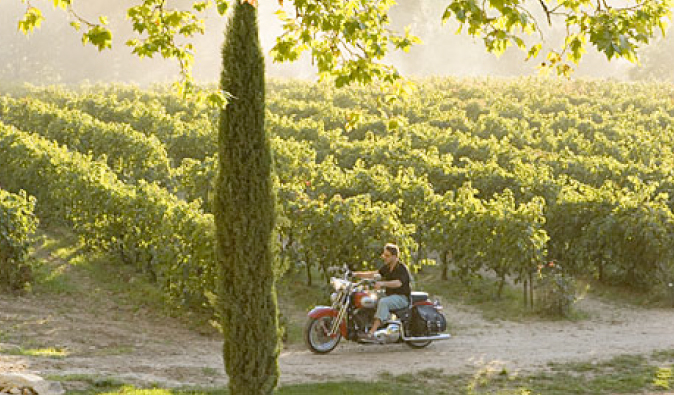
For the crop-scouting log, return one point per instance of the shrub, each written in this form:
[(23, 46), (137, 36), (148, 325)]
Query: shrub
[(556, 290), (17, 224)]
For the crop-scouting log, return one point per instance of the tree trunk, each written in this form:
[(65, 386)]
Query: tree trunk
[(446, 257), (309, 280), (531, 289), (245, 215), (502, 281)]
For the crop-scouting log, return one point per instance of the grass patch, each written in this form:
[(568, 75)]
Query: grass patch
[(112, 282), (52, 279), (87, 384), (50, 255), (296, 299), (117, 283), (478, 292), (211, 372), (55, 242), (343, 388), (660, 296), (110, 351), (663, 356), (49, 352), (64, 267), (628, 374), (664, 378), (351, 388), (292, 287)]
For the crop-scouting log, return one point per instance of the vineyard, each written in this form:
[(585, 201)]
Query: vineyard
[(477, 176)]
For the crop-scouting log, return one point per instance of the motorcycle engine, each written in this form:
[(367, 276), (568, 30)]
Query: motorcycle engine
[(390, 334), (362, 319), (369, 301)]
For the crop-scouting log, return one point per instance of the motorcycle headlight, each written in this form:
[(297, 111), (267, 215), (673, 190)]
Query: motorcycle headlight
[(338, 284)]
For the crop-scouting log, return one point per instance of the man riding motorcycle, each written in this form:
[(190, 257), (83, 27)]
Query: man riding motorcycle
[(395, 277), (357, 314)]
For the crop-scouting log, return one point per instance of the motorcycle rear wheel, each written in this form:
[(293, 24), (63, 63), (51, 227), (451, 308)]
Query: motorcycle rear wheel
[(419, 343), (316, 335)]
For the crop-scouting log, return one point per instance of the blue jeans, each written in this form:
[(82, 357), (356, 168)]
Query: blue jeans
[(388, 303)]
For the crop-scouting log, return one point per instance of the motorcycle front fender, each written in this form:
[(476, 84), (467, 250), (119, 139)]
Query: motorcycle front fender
[(327, 311)]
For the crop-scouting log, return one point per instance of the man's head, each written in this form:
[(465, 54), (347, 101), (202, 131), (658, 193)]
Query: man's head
[(390, 254)]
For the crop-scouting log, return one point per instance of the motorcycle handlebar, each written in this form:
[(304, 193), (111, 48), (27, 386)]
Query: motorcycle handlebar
[(349, 275)]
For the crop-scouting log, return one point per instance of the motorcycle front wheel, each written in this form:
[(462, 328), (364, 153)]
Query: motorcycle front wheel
[(316, 335)]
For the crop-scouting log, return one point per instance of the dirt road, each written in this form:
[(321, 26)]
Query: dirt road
[(111, 342)]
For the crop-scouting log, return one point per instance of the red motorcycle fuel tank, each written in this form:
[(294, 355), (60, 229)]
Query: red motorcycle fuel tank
[(365, 299)]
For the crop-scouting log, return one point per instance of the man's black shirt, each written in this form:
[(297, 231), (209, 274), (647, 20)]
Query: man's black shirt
[(399, 272)]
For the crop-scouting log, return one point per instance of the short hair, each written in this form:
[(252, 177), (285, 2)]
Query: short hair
[(392, 248)]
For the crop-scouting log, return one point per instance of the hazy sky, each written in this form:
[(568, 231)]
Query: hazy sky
[(54, 53)]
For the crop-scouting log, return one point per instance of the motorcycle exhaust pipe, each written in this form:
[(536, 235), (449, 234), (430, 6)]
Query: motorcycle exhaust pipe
[(443, 336)]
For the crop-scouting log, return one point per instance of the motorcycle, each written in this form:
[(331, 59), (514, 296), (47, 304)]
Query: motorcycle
[(352, 312)]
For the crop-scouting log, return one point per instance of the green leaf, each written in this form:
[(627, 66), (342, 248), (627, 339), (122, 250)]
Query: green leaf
[(32, 19), (216, 100), (98, 36), (534, 51), (222, 6), (63, 4), (497, 4), (200, 6)]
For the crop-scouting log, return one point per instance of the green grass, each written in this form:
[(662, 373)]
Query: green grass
[(664, 378), (663, 356), (110, 351), (660, 296), (296, 299), (292, 287), (49, 352), (50, 255), (627, 374), (64, 267), (481, 293)]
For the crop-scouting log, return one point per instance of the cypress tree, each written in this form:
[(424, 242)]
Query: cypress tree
[(245, 214)]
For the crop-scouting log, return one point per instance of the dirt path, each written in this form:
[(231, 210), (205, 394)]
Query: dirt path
[(109, 341)]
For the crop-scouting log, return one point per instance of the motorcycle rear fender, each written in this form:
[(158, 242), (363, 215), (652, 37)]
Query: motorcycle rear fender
[(327, 311)]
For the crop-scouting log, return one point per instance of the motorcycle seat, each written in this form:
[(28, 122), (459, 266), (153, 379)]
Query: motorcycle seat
[(415, 297)]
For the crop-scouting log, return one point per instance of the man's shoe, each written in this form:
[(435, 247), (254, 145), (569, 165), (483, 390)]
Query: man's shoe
[(367, 337)]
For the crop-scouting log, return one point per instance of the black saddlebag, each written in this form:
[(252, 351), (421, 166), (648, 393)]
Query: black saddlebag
[(426, 320)]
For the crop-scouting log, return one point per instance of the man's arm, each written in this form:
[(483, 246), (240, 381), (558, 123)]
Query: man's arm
[(389, 284), (396, 283), (369, 274)]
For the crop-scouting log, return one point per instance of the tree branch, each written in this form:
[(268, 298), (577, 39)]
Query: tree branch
[(546, 10)]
